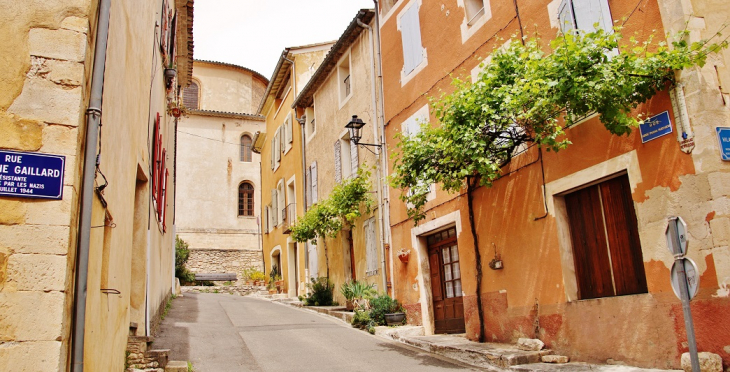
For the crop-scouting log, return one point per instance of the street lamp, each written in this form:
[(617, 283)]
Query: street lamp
[(354, 127)]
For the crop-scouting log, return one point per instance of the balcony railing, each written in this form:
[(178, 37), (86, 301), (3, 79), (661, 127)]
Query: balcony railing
[(289, 217)]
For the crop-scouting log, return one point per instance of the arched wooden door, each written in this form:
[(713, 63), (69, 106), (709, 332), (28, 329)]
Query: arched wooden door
[(448, 303)]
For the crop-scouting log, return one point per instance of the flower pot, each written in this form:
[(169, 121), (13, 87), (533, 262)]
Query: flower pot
[(395, 318), (175, 111), (403, 255), (349, 305)]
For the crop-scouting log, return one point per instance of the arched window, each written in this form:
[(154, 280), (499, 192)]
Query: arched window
[(190, 96), (246, 148), (245, 199)]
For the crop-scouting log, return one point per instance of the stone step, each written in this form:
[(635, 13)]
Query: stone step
[(176, 366)]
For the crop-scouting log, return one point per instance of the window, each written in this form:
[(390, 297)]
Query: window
[(410, 28), (245, 199), (474, 9), (605, 238), (371, 252), (190, 96), (274, 209), (584, 14), (246, 148), (289, 134), (346, 158), (411, 127), (281, 203), (343, 79), (311, 175)]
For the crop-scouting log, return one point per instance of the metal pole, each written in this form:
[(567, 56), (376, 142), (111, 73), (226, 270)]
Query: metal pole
[(684, 293)]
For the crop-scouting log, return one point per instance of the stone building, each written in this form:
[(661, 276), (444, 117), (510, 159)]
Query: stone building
[(219, 185), (344, 85), (529, 221), (281, 165), (85, 266)]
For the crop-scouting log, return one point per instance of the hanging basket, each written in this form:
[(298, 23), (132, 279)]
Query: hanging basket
[(403, 255)]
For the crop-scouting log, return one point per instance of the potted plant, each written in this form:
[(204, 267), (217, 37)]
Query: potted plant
[(357, 294), (176, 109), (385, 310), (403, 255), (271, 286)]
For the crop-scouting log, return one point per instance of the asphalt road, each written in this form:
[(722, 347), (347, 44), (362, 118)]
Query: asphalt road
[(221, 333)]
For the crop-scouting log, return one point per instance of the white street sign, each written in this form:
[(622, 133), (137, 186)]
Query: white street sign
[(676, 234), (693, 277)]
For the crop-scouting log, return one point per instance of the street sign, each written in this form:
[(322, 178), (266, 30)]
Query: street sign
[(693, 279), (31, 175), (676, 234), (723, 135), (655, 127)]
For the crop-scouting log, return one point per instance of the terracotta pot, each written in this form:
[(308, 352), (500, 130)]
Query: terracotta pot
[(403, 257), (175, 111), (349, 305)]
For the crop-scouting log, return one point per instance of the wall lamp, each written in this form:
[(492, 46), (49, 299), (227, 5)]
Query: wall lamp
[(354, 127)]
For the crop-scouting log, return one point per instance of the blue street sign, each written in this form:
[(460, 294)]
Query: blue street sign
[(655, 127), (31, 175), (723, 135)]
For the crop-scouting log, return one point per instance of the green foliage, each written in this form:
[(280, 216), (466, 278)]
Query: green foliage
[(361, 319), (274, 274), (182, 253), (343, 206), (320, 292), (381, 305), (521, 96), (253, 273), (357, 290)]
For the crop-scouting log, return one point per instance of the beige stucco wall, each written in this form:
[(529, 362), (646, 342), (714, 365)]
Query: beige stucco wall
[(227, 88), (47, 49)]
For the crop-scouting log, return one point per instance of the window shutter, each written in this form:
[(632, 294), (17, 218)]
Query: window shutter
[(338, 164), (273, 151), (265, 220), (282, 138), (589, 12), (289, 129), (371, 251), (275, 207), (565, 16), (277, 140), (354, 161), (314, 182), (308, 189), (411, 36)]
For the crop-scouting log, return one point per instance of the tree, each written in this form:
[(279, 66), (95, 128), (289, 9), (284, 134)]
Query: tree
[(340, 209), (521, 97)]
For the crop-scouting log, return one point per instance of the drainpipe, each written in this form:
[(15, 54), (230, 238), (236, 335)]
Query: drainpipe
[(302, 121), (377, 153), (383, 159), (93, 120)]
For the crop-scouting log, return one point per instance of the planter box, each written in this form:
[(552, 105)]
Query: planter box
[(395, 318)]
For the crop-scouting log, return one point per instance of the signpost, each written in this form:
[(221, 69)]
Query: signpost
[(31, 175), (684, 278), (723, 135), (655, 127)]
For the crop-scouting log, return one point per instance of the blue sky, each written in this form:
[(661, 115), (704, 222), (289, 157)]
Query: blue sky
[(252, 33)]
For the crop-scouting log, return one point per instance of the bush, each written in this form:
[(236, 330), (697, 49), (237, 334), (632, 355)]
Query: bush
[(253, 273), (361, 319), (320, 292), (381, 305), (182, 253), (357, 290)]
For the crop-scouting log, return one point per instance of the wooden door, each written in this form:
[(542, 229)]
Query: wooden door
[(448, 303)]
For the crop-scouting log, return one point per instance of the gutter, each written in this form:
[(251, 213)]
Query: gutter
[(378, 152), (93, 121)]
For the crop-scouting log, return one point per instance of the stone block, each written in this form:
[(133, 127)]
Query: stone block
[(31, 356), (12, 212), (709, 362), (60, 140), (60, 44), (177, 366), (50, 212), (530, 344), (43, 100), (31, 316), (36, 272), (4, 254), (65, 72), (75, 24), (35, 239), (719, 184), (720, 231), (559, 359), (20, 134)]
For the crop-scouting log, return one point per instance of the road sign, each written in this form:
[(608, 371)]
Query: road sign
[(723, 135), (676, 234), (692, 274), (655, 127), (31, 175)]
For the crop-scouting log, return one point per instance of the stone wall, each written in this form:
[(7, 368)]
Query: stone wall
[(224, 260)]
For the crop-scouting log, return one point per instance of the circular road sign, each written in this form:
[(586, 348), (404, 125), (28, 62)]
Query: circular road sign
[(693, 277)]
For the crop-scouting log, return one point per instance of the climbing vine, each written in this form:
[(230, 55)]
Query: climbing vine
[(347, 201)]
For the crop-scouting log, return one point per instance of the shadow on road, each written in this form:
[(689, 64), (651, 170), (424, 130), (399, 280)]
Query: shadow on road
[(425, 359)]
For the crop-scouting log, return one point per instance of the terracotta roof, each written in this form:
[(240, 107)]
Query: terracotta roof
[(258, 75), (185, 45), (352, 32), (226, 114)]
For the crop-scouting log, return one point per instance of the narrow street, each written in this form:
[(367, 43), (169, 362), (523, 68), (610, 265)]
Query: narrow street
[(221, 332)]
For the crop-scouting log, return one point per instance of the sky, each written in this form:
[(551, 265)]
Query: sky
[(253, 33)]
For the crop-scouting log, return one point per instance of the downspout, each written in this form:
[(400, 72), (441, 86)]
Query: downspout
[(93, 120), (383, 159), (378, 150), (302, 121)]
